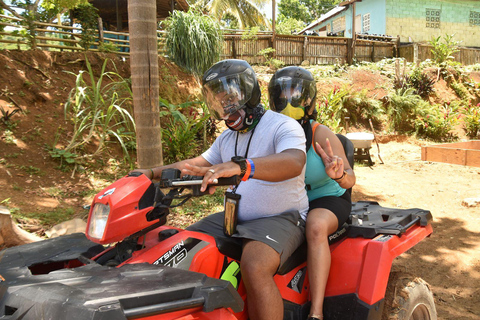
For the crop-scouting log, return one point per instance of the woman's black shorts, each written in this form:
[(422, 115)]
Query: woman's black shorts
[(340, 206)]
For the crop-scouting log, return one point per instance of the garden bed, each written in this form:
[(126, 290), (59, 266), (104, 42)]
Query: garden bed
[(463, 153)]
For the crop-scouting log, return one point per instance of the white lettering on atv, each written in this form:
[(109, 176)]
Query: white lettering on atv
[(295, 280), (165, 259)]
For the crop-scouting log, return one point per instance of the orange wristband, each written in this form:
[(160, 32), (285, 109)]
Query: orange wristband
[(247, 173)]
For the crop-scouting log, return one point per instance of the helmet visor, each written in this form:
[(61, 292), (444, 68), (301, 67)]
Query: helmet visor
[(226, 95), (287, 92)]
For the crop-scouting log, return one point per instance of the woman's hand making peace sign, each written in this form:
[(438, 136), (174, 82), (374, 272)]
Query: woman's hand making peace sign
[(333, 164)]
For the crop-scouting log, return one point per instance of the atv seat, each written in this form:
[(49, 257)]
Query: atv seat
[(233, 250)]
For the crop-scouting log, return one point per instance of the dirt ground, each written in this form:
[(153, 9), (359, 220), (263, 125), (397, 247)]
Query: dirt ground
[(449, 260), (31, 182)]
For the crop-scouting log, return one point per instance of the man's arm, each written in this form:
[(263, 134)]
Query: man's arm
[(157, 171), (276, 167)]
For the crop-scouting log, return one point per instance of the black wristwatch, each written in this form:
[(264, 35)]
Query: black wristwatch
[(242, 162)]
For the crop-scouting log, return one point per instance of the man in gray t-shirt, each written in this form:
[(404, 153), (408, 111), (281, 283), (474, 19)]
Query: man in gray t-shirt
[(267, 150)]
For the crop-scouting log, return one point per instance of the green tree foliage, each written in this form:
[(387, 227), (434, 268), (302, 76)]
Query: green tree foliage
[(194, 41), (246, 12), (304, 10), (289, 26)]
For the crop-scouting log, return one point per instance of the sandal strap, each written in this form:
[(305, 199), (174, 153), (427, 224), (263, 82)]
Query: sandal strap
[(315, 316)]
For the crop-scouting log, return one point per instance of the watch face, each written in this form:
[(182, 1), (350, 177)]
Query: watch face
[(238, 159)]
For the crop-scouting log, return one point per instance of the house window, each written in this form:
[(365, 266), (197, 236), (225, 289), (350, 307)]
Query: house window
[(338, 25), (366, 22), (474, 18), (432, 17)]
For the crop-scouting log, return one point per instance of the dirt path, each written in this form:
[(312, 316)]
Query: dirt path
[(449, 260)]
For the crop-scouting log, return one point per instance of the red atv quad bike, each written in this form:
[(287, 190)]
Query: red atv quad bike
[(131, 265)]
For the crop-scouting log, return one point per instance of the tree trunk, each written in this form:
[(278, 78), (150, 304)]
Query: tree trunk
[(10, 234), (142, 24)]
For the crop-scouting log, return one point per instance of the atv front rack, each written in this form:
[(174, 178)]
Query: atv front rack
[(99, 292)]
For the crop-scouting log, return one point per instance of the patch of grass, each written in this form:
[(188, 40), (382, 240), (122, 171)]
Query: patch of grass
[(31, 170), (51, 218), (199, 207)]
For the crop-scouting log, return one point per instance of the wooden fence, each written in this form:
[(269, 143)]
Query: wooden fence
[(413, 52), (291, 49)]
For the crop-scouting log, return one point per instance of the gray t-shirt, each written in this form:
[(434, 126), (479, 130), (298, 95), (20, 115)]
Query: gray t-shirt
[(273, 134)]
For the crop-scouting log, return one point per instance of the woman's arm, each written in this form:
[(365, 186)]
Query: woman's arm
[(330, 149)]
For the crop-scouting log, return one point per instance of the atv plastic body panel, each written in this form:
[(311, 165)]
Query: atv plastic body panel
[(47, 279)]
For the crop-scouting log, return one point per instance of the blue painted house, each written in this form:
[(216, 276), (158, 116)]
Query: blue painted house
[(412, 20)]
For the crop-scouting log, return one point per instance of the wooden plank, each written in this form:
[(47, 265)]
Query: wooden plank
[(462, 153)]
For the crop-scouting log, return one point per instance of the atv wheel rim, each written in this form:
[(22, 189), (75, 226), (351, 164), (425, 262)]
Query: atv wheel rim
[(420, 312)]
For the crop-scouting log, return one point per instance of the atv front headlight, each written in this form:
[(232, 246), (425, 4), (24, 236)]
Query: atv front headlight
[(98, 220)]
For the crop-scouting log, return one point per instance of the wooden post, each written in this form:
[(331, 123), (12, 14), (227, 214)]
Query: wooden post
[(305, 43), (273, 28), (373, 51), (349, 51), (234, 49), (100, 30), (119, 17), (397, 44), (354, 34)]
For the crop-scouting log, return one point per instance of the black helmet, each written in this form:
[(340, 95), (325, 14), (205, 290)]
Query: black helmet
[(230, 85), (292, 91)]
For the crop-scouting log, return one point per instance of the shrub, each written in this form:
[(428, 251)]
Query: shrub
[(185, 131), (437, 121), (361, 108), (401, 108), (422, 84), (194, 41), (331, 109), (443, 49), (471, 120)]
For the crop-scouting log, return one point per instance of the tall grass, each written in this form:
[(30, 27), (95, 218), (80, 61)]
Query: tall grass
[(98, 112), (194, 41)]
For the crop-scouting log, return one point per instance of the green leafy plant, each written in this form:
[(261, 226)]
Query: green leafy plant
[(194, 41), (422, 84), (65, 157), (97, 112), (444, 48), (108, 47), (269, 60), (360, 108), (185, 131), (332, 110), (437, 121), (471, 120), (87, 15), (402, 107)]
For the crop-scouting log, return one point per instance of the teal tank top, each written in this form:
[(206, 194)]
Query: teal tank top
[(319, 184)]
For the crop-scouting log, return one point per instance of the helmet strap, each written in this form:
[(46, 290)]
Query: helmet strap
[(252, 117)]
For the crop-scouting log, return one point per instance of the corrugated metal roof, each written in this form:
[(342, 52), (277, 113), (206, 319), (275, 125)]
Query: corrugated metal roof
[(324, 17)]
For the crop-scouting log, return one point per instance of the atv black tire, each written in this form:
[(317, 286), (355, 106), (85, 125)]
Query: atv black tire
[(408, 298)]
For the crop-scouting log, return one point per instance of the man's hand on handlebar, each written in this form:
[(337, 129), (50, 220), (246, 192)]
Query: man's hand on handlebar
[(210, 174)]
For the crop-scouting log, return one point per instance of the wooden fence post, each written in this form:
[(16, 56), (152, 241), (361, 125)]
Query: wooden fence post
[(100, 30), (305, 43), (397, 45), (349, 51), (234, 49)]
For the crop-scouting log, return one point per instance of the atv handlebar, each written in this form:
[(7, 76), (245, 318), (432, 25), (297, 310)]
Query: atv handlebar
[(171, 178)]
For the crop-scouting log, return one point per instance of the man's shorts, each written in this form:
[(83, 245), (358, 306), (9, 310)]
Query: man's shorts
[(284, 232)]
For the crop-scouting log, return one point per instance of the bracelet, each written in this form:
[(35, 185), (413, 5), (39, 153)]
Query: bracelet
[(343, 176), (247, 172), (153, 175), (252, 168)]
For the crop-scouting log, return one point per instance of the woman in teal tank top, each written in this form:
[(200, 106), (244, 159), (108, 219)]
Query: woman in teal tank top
[(292, 91)]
